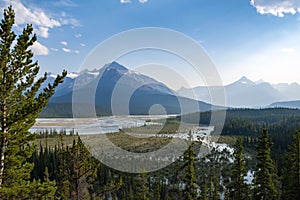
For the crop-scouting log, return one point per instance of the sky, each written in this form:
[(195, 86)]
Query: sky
[(259, 39)]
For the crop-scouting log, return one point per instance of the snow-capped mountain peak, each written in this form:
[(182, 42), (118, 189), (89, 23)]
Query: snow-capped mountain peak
[(52, 75), (244, 80), (72, 75), (109, 74), (94, 73)]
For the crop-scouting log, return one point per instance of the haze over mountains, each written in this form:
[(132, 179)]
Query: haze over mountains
[(250, 94), (147, 94)]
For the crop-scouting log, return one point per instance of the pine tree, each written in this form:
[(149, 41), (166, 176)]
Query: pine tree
[(265, 177), (216, 185), (238, 189), (77, 171), (210, 188), (157, 189), (20, 104), (63, 182), (203, 195), (291, 172), (190, 188), (45, 190), (141, 186)]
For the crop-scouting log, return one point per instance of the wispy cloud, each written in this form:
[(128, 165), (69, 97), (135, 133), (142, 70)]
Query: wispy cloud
[(66, 50), (78, 35), (39, 49), (41, 20), (276, 7), (129, 1), (82, 44), (66, 19), (54, 49), (64, 43), (70, 50), (125, 1), (143, 1), (67, 3)]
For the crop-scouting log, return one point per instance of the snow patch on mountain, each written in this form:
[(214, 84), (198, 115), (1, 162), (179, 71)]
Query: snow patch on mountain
[(93, 73), (52, 75), (72, 75)]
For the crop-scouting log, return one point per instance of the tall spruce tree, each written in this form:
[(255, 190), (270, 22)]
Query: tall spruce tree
[(265, 177), (216, 183), (190, 188), (238, 189), (203, 195), (291, 172), (20, 104), (77, 171), (141, 185)]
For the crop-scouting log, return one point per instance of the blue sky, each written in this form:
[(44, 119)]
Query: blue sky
[(259, 38)]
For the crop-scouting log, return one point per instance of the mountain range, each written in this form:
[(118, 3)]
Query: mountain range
[(250, 94), (148, 93), (286, 104)]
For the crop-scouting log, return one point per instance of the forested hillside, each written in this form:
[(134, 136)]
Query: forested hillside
[(281, 124), (220, 174)]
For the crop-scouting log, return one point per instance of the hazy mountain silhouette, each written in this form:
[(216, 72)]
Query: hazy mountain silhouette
[(115, 79)]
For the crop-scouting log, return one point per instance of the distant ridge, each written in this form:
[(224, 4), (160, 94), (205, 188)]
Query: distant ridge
[(246, 93), (286, 104), (150, 92)]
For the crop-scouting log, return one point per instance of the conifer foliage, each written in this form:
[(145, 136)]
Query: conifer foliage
[(190, 190), (239, 190), (291, 175), (20, 104), (77, 171), (265, 177)]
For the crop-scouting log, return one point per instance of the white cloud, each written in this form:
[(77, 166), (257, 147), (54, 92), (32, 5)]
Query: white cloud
[(125, 1), (276, 7), (39, 49), (288, 50), (66, 50), (129, 1), (67, 3), (65, 19), (35, 16), (143, 1), (53, 49), (64, 43), (82, 44), (70, 50), (78, 35), (41, 21), (42, 31)]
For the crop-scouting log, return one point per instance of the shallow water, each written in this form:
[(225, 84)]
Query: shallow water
[(93, 125)]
